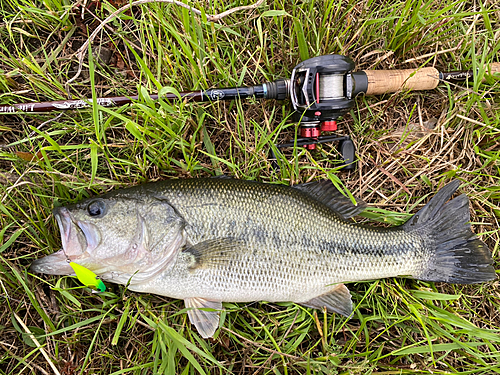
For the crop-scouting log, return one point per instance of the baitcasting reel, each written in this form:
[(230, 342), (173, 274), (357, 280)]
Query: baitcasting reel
[(321, 90)]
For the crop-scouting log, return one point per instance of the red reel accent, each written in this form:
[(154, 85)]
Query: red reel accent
[(310, 132), (329, 126), (312, 146)]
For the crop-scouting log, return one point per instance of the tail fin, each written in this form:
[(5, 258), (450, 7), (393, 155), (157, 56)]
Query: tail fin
[(458, 256)]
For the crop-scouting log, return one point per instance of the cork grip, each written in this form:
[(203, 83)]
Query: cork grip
[(493, 68), (387, 81)]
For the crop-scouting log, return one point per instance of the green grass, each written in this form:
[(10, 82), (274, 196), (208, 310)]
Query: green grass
[(400, 326)]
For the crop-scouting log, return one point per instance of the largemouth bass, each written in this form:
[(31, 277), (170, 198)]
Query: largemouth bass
[(209, 241)]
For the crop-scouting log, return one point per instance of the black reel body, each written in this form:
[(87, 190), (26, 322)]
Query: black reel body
[(321, 90)]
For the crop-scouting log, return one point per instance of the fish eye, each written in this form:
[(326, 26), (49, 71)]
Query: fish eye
[(96, 208)]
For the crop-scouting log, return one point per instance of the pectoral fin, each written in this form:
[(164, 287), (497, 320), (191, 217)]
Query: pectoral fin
[(204, 315), (216, 252), (337, 300)]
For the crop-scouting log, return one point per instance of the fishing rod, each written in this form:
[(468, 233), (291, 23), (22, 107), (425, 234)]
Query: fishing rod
[(321, 90)]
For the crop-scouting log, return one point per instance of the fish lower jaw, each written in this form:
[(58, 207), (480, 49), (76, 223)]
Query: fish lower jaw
[(136, 276), (116, 277)]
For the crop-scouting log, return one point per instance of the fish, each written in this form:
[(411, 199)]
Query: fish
[(214, 240)]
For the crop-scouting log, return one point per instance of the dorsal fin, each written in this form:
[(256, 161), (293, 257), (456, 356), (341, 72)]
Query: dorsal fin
[(326, 192)]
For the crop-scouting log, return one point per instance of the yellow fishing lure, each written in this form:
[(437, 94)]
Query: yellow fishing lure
[(87, 277)]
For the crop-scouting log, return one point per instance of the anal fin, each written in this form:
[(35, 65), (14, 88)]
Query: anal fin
[(204, 315), (337, 300)]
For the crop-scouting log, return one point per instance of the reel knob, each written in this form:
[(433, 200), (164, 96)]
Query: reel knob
[(348, 152)]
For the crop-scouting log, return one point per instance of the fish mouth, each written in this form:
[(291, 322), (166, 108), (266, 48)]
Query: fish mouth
[(73, 238), (54, 264), (77, 237)]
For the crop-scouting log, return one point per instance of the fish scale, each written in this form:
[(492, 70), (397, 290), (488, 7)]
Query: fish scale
[(209, 241)]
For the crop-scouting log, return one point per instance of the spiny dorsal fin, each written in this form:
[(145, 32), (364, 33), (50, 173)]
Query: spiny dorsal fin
[(326, 192), (204, 315), (337, 300)]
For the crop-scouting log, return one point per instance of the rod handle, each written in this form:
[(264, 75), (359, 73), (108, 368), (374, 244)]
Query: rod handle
[(388, 81), (493, 68)]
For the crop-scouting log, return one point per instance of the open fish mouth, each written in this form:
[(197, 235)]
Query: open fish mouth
[(76, 237), (73, 239)]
